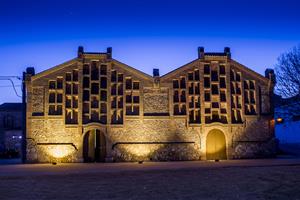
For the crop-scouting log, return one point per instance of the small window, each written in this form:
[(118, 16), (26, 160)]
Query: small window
[(223, 96), (246, 86), (232, 75), (207, 96), (128, 84), (182, 96), (215, 89), (214, 76), (113, 76), (68, 88), (252, 85), (238, 77), (136, 99), (103, 69), (75, 102), (206, 69), (176, 97), (175, 84), (103, 108), (222, 82), (59, 83), (197, 75), (206, 82), (197, 88), (120, 89), (86, 69), (75, 88), (94, 71), (52, 85), (94, 102), (120, 78), (68, 102), (128, 98), (136, 85), (207, 110), (182, 83), (59, 98), (86, 95), (95, 88), (68, 77), (52, 97), (215, 105), (75, 75), (103, 82), (113, 89), (190, 76), (103, 95), (222, 69), (86, 82)]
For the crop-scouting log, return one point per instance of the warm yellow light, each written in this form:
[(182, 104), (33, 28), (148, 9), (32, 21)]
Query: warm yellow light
[(279, 120), (59, 151)]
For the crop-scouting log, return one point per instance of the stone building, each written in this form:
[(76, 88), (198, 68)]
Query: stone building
[(95, 108)]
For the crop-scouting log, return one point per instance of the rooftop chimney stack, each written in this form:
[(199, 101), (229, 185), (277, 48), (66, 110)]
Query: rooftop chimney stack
[(156, 78), (269, 73), (30, 71), (80, 52), (227, 52), (109, 52), (200, 52), (155, 72)]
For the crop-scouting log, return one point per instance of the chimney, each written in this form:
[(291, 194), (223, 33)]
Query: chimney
[(80, 52), (109, 52), (155, 72), (200, 52), (30, 71), (156, 78), (227, 52), (269, 73)]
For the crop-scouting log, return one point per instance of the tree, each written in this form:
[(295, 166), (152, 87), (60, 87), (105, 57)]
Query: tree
[(287, 73)]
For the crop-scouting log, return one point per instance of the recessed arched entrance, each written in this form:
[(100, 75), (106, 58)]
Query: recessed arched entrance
[(94, 146), (216, 145)]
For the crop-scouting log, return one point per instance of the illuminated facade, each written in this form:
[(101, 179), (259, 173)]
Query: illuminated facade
[(95, 108)]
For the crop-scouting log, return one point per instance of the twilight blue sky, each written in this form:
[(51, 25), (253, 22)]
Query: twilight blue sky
[(143, 33)]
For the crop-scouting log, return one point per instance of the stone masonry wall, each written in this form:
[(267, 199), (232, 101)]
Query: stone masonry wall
[(156, 100), (152, 139), (41, 147)]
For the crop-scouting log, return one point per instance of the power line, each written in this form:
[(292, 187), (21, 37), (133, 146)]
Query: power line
[(9, 78)]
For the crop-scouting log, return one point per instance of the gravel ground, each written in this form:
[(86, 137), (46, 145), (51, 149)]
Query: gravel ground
[(159, 182)]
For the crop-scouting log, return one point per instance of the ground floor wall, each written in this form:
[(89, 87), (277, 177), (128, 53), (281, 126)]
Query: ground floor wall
[(162, 139)]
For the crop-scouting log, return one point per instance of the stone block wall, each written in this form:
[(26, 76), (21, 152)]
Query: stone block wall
[(50, 140), (155, 139)]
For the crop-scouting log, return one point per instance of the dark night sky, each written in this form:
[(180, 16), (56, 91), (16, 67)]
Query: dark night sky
[(143, 33)]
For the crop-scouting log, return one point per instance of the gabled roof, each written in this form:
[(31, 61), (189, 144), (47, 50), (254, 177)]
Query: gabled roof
[(54, 69), (6, 107), (133, 70), (250, 71), (181, 68)]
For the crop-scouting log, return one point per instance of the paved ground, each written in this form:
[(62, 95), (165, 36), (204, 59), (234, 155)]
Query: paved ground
[(243, 179)]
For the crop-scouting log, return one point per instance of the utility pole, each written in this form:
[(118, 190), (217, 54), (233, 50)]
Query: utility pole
[(24, 118)]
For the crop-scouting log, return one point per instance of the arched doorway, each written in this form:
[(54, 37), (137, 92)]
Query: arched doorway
[(216, 145), (94, 146)]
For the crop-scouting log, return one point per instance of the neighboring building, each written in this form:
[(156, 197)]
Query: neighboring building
[(287, 116), (11, 127), (95, 108)]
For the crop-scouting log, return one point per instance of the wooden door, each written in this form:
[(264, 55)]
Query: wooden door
[(216, 145)]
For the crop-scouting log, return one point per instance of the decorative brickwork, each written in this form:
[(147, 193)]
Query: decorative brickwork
[(94, 108)]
